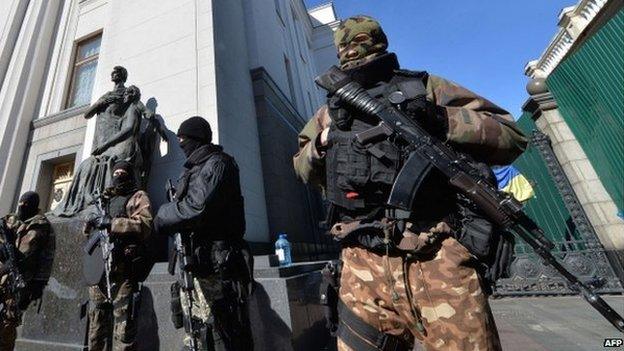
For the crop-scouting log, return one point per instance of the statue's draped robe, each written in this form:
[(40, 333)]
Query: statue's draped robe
[(94, 173)]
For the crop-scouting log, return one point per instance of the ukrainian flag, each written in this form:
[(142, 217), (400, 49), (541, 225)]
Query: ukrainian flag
[(511, 181)]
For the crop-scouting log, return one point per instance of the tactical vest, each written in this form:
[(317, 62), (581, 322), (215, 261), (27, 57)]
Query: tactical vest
[(360, 177), (117, 206)]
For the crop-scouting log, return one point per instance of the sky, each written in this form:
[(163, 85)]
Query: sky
[(480, 44)]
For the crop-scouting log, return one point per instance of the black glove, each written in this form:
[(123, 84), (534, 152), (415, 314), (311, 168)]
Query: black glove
[(36, 288), (157, 227), (428, 116), (103, 222)]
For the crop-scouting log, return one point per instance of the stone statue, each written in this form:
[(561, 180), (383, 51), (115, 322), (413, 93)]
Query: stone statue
[(154, 130), (116, 138)]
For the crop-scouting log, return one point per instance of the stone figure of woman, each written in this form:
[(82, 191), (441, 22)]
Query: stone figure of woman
[(116, 138)]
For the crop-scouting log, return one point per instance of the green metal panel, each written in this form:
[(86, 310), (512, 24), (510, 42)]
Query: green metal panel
[(589, 89), (546, 208)]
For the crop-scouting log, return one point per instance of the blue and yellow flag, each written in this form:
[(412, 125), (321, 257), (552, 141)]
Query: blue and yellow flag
[(511, 181)]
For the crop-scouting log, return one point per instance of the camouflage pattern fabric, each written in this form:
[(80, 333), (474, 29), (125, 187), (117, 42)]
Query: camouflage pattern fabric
[(207, 290), (32, 241), (139, 220), (367, 47), (10, 319), (105, 322), (441, 291), (215, 305), (476, 126)]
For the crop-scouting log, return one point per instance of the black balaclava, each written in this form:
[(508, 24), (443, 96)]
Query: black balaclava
[(28, 205), (189, 145), (196, 132), (125, 183)]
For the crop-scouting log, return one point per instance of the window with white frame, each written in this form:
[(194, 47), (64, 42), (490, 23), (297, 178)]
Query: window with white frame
[(83, 71)]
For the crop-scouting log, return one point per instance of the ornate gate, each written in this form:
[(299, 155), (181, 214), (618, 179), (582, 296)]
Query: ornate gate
[(577, 247)]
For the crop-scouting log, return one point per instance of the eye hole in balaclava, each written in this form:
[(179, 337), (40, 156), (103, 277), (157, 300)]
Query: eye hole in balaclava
[(359, 40)]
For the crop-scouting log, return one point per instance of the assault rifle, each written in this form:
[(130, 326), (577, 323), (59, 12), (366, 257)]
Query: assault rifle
[(427, 153), (102, 237), (183, 255), (9, 267)]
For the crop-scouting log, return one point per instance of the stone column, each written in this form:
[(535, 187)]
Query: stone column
[(592, 195), (20, 92), (12, 14)]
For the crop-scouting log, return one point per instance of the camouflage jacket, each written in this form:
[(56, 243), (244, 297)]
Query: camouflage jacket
[(35, 242), (476, 126), (137, 224), (139, 220)]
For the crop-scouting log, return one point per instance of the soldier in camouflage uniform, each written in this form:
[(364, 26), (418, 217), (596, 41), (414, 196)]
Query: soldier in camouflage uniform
[(34, 242), (129, 223), (425, 289)]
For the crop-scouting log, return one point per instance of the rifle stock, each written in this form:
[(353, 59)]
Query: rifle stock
[(428, 152)]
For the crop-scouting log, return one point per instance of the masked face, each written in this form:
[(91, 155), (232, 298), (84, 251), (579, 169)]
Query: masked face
[(359, 40), (123, 181), (28, 205), (189, 145)]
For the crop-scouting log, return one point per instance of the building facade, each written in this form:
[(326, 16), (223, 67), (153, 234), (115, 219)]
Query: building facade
[(577, 151), (245, 66)]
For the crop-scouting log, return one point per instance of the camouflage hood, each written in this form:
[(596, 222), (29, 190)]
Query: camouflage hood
[(378, 69), (349, 42)]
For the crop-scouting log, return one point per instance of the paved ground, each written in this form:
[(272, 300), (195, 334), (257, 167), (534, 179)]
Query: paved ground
[(553, 323)]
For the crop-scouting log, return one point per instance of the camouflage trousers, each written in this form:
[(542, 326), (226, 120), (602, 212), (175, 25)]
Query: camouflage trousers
[(10, 319), (224, 316), (441, 291), (112, 325)]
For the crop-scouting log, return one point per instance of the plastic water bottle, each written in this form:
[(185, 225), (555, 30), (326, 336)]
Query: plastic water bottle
[(282, 250)]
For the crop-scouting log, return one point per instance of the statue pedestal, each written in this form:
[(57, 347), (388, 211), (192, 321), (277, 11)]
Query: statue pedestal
[(284, 310), (58, 325)]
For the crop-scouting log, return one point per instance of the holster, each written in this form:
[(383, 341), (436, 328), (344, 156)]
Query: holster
[(361, 336), (328, 294)]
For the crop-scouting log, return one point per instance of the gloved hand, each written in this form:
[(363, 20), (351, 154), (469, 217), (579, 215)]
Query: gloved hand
[(428, 116), (35, 288), (103, 222)]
